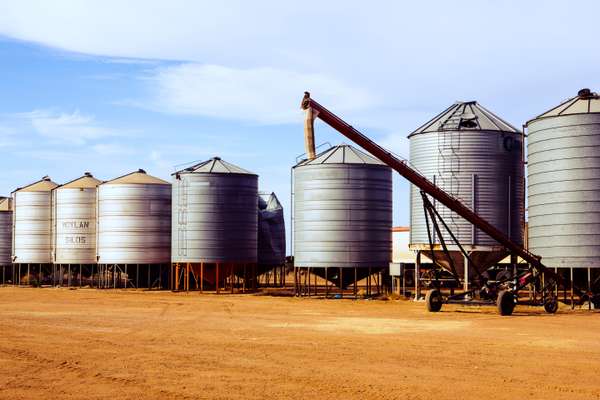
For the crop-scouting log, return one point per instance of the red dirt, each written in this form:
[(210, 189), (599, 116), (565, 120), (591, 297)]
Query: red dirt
[(90, 344)]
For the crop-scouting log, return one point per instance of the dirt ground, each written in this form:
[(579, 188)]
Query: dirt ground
[(90, 344)]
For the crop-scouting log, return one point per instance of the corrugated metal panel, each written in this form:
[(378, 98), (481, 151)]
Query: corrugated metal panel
[(342, 214), (481, 168), (134, 222), (5, 237), (215, 214), (564, 189), (74, 225), (32, 227)]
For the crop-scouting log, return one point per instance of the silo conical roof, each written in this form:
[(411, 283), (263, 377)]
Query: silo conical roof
[(5, 204), (43, 185), (214, 166), (137, 177), (342, 154), (585, 102), (466, 116), (86, 181)]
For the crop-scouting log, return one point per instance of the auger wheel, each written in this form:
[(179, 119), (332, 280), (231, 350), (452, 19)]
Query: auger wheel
[(506, 302), (434, 300), (551, 305)]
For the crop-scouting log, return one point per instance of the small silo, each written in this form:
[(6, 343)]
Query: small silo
[(74, 221), (342, 215), (32, 227), (563, 171), (475, 156), (134, 227), (215, 220), (6, 217)]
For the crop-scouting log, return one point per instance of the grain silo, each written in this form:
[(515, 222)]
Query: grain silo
[(74, 228), (563, 174), (475, 156), (342, 218), (134, 230), (32, 230), (271, 239), (6, 217), (215, 224)]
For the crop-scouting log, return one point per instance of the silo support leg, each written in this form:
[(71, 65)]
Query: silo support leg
[(201, 277), (418, 276), (217, 277), (572, 289), (296, 281), (244, 280), (355, 284)]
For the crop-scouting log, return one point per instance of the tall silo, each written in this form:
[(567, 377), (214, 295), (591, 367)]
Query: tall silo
[(6, 218), (215, 220), (563, 171), (342, 215), (32, 229), (74, 227), (475, 156), (134, 230)]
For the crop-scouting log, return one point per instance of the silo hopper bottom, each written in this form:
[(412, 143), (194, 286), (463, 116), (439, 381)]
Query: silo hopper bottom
[(482, 259)]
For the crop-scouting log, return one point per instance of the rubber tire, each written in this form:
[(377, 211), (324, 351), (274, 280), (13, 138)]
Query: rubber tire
[(551, 306), (433, 299), (505, 302)]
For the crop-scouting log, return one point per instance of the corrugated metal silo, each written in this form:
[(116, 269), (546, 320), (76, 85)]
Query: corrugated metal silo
[(134, 220), (476, 157), (32, 228), (563, 173), (6, 218), (74, 205), (342, 208), (215, 214)]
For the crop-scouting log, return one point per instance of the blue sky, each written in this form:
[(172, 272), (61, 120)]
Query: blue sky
[(108, 87)]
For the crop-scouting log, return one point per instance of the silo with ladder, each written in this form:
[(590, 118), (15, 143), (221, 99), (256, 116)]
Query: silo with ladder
[(477, 157)]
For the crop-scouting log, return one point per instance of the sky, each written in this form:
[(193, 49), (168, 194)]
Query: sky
[(112, 86)]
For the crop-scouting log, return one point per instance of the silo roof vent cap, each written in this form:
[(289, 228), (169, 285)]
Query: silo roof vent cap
[(141, 171)]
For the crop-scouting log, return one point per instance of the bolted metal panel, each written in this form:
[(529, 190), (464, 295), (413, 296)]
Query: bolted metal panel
[(5, 237), (74, 225), (564, 184), (342, 210), (134, 221), (215, 215), (483, 169), (32, 227)]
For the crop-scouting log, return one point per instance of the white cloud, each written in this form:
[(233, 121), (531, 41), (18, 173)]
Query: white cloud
[(112, 149), (74, 128), (264, 95)]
